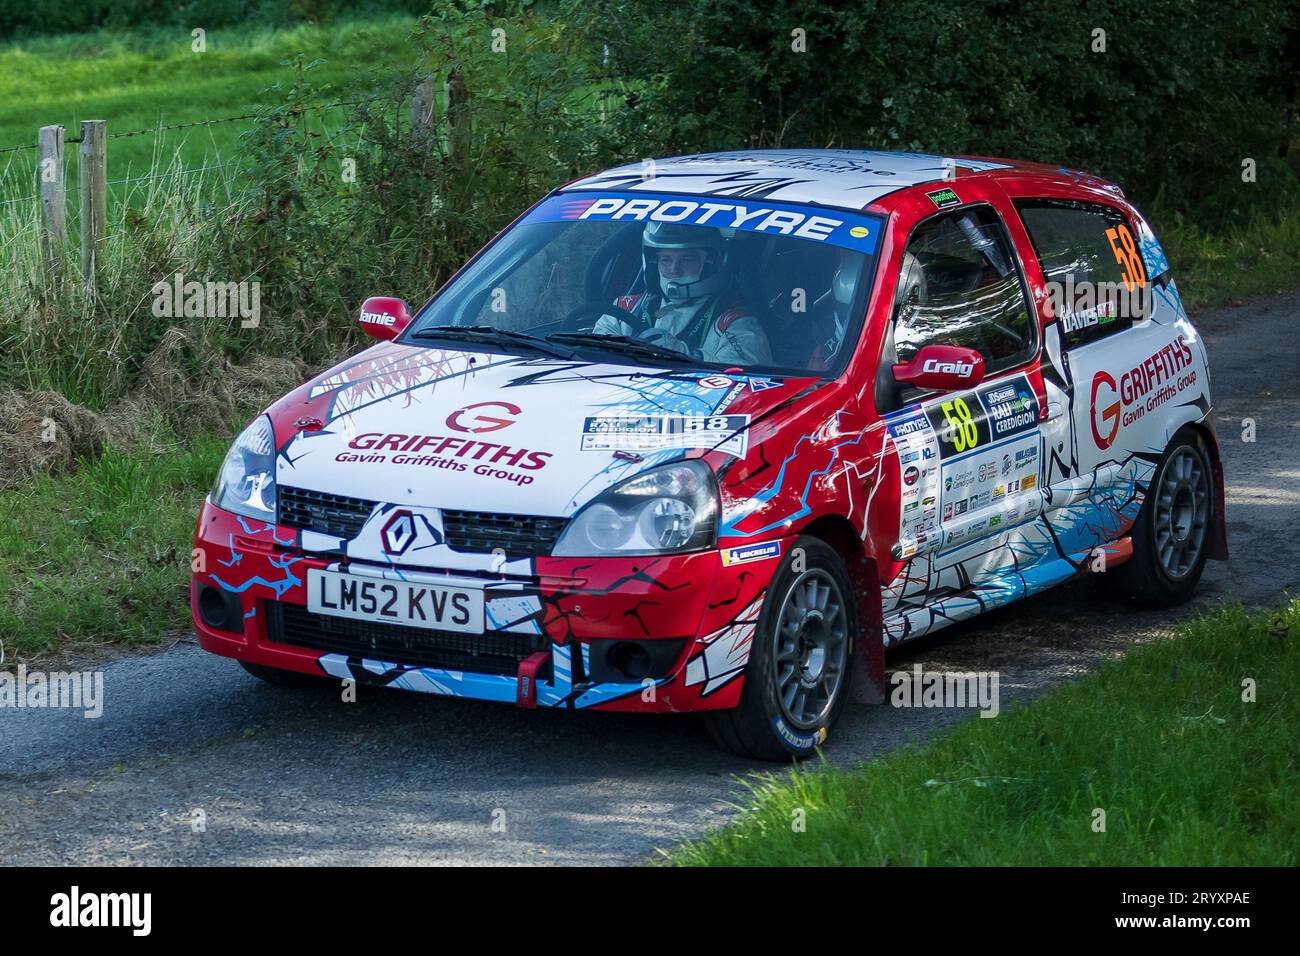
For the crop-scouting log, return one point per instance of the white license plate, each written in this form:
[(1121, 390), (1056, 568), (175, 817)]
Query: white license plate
[(395, 602)]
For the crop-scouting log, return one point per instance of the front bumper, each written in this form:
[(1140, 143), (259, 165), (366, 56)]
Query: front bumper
[(555, 626)]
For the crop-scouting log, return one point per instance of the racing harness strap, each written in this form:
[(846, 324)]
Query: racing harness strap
[(694, 334)]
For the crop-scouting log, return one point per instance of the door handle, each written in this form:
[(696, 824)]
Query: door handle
[(1054, 411)]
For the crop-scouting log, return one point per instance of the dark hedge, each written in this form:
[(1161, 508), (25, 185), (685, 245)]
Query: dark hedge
[(1184, 92)]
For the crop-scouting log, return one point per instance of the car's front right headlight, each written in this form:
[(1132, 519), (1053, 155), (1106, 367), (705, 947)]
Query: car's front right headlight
[(246, 483), (666, 510)]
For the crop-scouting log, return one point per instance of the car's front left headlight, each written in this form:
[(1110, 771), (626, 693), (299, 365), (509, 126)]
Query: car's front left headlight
[(666, 510), (246, 482)]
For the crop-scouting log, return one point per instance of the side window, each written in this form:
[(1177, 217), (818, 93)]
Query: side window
[(1096, 279), (960, 285)]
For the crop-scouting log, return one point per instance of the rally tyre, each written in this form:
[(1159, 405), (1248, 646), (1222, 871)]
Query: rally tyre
[(283, 678), (800, 661), (1171, 536)]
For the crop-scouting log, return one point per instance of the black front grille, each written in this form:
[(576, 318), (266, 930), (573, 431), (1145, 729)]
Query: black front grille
[(481, 533), (492, 653), (337, 515), (468, 531)]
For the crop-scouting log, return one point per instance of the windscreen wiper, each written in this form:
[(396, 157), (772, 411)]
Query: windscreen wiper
[(490, 336), (625, 344)]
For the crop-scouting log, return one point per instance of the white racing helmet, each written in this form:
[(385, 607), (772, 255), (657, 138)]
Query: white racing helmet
[(911, 288), (712, 244), (843, 284)]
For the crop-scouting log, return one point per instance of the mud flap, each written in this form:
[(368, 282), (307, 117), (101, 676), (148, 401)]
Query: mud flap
[(867, 682), (1217, 549)]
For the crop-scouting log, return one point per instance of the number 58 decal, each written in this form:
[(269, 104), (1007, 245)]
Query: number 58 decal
[(960, 422), (960, 429), (1126, 254)]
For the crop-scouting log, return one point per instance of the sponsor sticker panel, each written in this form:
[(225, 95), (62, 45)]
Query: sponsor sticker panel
[(991, 489), (1011, 407), (966, 460), (728, 433), (918, 449)]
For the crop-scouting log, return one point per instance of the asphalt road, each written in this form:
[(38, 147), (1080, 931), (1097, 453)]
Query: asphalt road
[(290, 777)]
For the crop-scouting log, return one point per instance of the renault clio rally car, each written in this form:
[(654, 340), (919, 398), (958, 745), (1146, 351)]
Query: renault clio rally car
[(711, 434)]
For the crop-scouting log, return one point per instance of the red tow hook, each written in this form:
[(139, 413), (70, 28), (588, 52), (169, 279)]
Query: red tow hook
[(526, 693)]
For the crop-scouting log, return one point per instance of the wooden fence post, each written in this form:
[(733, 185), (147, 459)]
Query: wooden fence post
[(423, 105), (94, 198), (54, 223), (458, 119)]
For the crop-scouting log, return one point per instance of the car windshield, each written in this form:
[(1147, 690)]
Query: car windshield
[(703, 281)]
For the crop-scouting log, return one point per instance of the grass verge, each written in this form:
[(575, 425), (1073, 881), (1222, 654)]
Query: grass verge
[(1254, 258), (1188, 774), (102, 554)]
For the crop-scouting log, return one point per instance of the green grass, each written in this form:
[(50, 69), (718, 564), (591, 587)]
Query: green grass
[(147, 77), (102, 554), (1187, 773), (1259, 257)]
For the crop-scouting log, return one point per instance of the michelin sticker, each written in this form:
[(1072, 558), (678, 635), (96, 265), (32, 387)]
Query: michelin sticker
[(746, 553), (658, 432)]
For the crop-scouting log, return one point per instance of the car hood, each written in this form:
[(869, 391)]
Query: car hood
[(487, 432)]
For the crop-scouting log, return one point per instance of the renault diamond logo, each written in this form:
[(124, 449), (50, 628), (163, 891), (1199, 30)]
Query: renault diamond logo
[(399, 532)]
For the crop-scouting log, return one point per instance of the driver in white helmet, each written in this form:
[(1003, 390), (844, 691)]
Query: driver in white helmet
[(691, 304)]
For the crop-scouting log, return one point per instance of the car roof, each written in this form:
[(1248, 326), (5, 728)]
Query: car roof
[(843, 178)]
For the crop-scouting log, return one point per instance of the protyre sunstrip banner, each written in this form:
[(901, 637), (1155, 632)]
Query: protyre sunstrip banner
[(831, 226)]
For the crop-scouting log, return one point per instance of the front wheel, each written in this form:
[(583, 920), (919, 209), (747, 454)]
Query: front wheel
[(796, 681), (1172, 532)]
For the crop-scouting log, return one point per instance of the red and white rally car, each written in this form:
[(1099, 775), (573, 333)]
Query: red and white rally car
[(711, 433)]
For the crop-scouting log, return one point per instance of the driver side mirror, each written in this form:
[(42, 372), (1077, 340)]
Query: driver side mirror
[(942, 368), (384, 317)]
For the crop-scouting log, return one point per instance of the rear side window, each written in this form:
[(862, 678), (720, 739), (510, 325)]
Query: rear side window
[(1096, 280), (960, 285)]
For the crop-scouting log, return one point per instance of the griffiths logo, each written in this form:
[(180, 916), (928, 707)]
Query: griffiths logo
[(468, 419), (453, 454), (1105, 410), (1142, 389)]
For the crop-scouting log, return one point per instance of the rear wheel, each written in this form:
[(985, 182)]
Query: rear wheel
[(796, 682), (283, 678), (1171, 535)]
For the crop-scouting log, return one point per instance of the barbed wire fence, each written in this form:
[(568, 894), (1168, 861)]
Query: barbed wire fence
[(90, 212), (155, 131), (168, 127)]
